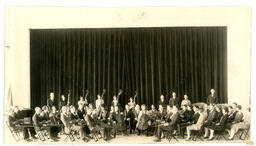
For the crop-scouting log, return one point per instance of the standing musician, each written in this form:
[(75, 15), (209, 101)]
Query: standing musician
[(185, 101), (129, 118), (136, 113), (99, 102), (212, 98), (162, 101), (81, 101), (174, 100), (143, 119), (51, 101), (131, 103), (169, 125), (81, 111)]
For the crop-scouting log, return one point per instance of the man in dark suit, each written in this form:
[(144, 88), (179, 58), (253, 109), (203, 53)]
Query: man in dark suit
[(168, 126), (36, 123), (220, 125), (212, 98), (174, 100), (162, 101), (211, 117), (51, 102)]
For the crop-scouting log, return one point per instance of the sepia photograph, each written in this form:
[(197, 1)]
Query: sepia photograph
[(95, 75)]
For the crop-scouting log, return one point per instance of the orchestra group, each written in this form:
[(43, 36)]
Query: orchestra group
[(93, 121)]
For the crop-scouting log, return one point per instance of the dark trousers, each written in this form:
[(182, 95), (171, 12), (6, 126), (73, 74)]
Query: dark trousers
[(26, 131), (162, 128)]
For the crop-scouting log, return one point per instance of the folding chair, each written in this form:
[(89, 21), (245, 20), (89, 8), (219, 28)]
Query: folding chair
[(243, 132), (169, 134), (197, 134), (70, 136), (221, 134), (14, 132)]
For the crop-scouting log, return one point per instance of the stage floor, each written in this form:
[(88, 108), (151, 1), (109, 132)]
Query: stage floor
[(132, 138)]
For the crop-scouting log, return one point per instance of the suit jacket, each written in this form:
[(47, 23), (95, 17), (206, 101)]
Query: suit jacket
[(211, 116), (238, 117), (11, 121), (80, 113), (163, 103), (51, 103), (231, 117), (89, 122), (195, 117), (223, 120), (174, 119), (174, 101), (161, 115), (212, 99), (36, 120)]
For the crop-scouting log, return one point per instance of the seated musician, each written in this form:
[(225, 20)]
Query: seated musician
[(161, 113), (119, 118), (105, 124), (12, 121), (69, 125), (73, 112), (238, 117), (54, 120), (210, 119), (63, 102), (218, 112), (195, 116), (44, 115), (81, 111), (36, 123), (162, 101), (185, 114), (153, 114), (129, 118), (168, 112), (244, 124), (198, 124), (185, 101), (174, 100), (136, 112), (219, 125), (92, 122), (169, 125), (17, 118), (143, 118), (231, 113)]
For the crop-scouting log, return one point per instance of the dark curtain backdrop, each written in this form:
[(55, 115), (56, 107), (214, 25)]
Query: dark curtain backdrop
[(152, 61)]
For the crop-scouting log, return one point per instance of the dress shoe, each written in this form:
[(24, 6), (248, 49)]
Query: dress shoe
[(157, 140)]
